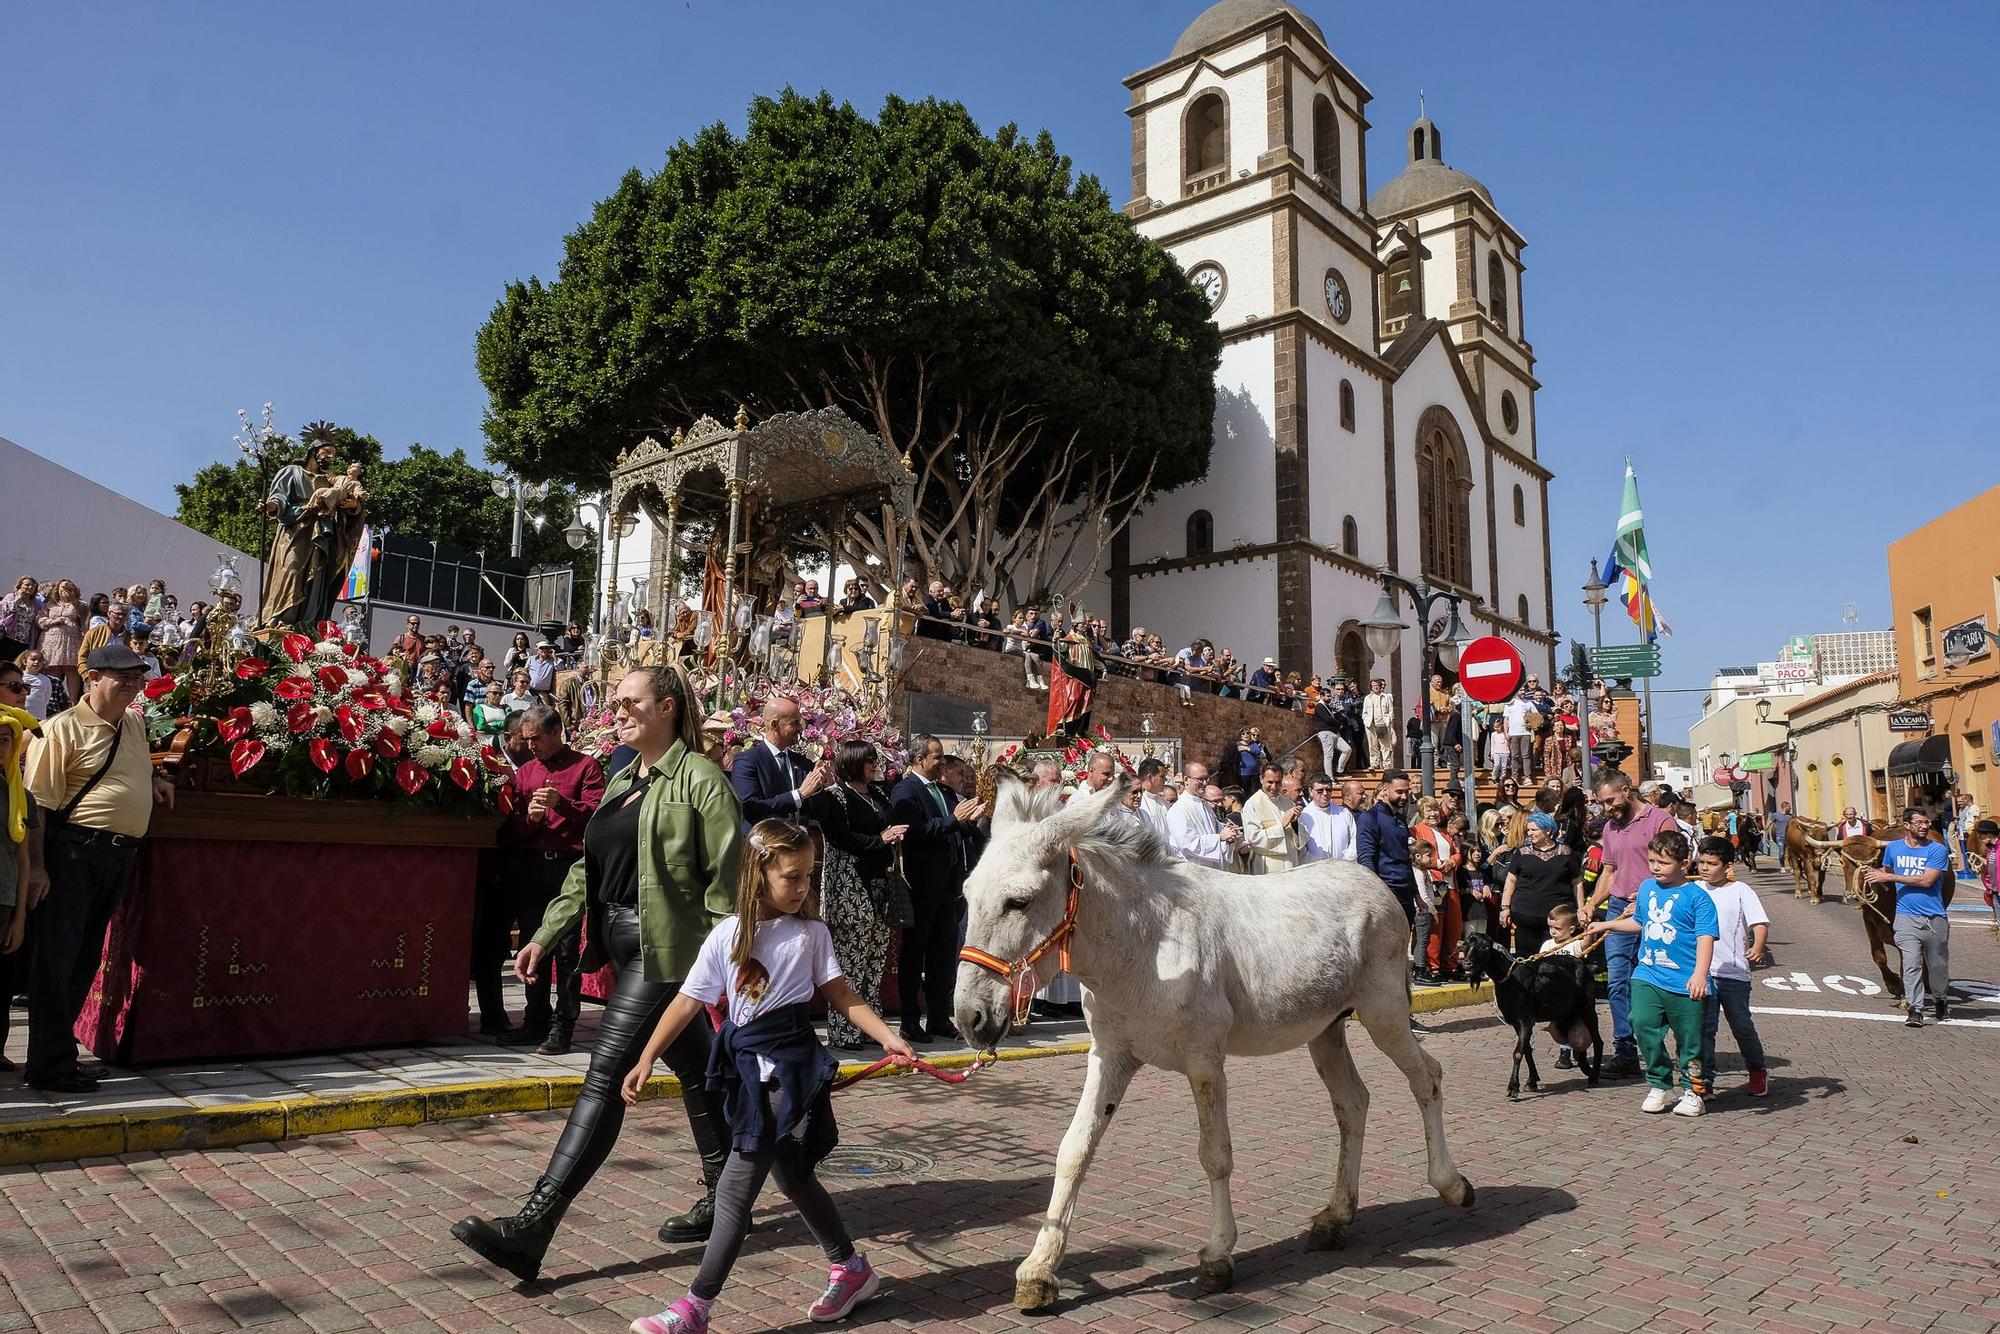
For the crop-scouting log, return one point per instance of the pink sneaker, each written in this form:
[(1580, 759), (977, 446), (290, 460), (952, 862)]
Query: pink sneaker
[(683, 1317), (851, 1283)]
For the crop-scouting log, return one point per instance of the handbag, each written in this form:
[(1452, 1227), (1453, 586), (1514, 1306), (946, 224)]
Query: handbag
[(891, 896)]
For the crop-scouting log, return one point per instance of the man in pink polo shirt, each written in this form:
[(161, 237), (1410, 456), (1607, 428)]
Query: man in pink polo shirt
[(1629, 825)]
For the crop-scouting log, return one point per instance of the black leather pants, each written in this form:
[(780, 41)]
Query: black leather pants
[(630, 1017)]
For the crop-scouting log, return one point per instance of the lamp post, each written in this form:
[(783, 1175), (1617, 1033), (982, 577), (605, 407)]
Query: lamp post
[(1594, 599), (577, 535), (1385, 628), (524, 493)]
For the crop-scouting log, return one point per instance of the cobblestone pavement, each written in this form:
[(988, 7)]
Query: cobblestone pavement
[(1862, 1193)]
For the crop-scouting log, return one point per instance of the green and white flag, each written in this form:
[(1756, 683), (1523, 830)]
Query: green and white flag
[(1631, 540)]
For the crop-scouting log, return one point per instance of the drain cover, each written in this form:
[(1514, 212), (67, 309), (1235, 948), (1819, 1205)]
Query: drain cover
[(865, 1160)]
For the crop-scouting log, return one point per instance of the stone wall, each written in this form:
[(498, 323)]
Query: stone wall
[(941, 685)]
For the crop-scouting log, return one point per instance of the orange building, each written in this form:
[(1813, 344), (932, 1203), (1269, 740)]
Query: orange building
[(1944, 584)]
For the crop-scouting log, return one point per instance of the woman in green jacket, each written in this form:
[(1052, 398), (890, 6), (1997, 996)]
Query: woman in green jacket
[(658, 871)]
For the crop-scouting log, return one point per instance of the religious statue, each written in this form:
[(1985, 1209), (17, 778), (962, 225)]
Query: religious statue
[(319, 519), (768, 569)]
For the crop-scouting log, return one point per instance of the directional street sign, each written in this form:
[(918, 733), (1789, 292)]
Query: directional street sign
[(1490, 669), (1620, 660)]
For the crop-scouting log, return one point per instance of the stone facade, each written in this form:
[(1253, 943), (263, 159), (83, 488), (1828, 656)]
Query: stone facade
[(941, 685)]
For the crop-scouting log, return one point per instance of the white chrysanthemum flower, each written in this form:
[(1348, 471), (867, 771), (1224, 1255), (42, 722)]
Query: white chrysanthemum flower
[(263, 714), (322, 716), (356, 677), (329, 648), (299, 669), (399, 724), (432, 757), (427, 713)]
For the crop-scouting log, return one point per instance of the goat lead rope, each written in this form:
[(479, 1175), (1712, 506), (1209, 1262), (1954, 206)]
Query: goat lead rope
[(979, 1062)]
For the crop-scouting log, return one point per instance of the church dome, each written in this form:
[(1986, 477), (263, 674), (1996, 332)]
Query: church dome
[(1426, 180), (1227, 18)]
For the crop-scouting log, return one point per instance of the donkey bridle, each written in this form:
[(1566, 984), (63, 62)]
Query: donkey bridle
[(1023, 967)]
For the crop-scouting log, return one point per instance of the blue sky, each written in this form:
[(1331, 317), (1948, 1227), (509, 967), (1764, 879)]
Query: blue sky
[(1757, 233)]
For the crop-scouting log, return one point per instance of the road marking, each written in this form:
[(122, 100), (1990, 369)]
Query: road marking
[(1876, 1018), (1840, 982)]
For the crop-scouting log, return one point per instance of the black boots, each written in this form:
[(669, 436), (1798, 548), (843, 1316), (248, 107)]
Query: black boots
[(694, 1225), (518, 1244), (557, 1043)]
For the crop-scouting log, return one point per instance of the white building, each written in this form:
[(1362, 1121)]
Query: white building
[(1376, 398)]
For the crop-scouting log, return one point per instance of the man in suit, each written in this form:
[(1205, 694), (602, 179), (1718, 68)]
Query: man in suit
[(934, 861), (772, 780), (938, 617)]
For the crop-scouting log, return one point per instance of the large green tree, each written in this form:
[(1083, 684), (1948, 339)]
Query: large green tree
[(425, 493), (966, 297)]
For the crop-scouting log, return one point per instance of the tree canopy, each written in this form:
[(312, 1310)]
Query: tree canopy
[(966, 297), (425, 493)]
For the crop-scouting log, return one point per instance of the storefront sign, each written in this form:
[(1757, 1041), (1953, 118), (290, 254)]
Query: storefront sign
[(1967, 639), (1795, 671), (1909, 720)]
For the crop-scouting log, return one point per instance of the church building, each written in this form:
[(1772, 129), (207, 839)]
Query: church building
[(1376, 397)]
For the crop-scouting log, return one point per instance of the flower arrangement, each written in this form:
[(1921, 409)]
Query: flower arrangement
[(828, 716), (318, 718)]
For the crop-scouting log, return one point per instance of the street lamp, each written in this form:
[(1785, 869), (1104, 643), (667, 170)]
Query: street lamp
[(524, 493), (1385, 627), (1763, 710), (576, 534)]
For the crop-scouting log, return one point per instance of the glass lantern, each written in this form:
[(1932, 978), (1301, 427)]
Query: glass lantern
[(225, 578)]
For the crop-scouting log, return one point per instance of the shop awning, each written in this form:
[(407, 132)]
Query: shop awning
[(1926, 755)]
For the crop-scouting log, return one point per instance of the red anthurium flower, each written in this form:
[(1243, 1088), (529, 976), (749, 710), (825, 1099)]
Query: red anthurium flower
[(352, 650), (359, 764), (323, 755), (387, 744), (252, 669), (297, 646), (462, 773), (505, 799), (369, 697), (293, 687), (333, 679), (350, 726), (328, 630), (398, 704), (493, 760), (159, 687), (411, 777), (243, 756), (299, 718), (235, 725), (442, 729)]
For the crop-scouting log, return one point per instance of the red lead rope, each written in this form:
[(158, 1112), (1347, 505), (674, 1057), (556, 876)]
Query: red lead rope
[(979, 1062)]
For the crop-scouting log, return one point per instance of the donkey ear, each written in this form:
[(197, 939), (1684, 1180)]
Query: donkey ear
[(1013, 801), (1083, 813)]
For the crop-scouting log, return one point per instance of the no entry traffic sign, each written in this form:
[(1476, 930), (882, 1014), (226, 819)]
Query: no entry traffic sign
[(1490, 669)]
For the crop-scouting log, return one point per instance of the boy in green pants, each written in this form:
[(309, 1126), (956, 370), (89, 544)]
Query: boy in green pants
[(1676, 923)]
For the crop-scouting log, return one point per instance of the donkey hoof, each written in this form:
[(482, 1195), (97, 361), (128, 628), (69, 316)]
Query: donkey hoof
[(1459, 1195), (1034, 1294), (1325, 1235), (1215, 1275)]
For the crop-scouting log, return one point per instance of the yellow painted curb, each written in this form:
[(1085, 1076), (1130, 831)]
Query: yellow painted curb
[(485, 1097), (60, 1140), (354, 1111), (1432, 999)]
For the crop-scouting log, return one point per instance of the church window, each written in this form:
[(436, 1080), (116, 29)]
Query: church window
[(1326, 145), (1521, 609), (1510, 411), (1400, 287), (1200, 533), (1496, 290), (1444, 499), (1350, 653), (1350, 537), (1207, 136), (1520, 508), (1346, 405)]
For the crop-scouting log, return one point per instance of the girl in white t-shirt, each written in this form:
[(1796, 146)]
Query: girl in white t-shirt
[(767, 962)]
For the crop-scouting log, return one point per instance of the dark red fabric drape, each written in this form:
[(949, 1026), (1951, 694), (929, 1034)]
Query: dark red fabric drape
[(229, 949)]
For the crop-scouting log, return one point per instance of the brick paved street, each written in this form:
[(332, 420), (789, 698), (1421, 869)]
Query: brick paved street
[(1807, 1211)]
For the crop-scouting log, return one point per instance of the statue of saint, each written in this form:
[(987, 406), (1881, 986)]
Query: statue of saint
[(298, 502)]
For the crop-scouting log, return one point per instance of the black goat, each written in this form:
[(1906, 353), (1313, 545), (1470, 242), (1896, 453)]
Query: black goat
[(1554, 990)]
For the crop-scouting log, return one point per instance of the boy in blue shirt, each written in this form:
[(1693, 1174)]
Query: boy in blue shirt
[(1676, 923), (1921, 872)]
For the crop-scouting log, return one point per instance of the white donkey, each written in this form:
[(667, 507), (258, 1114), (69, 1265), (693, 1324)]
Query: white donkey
[(1183, 967)]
